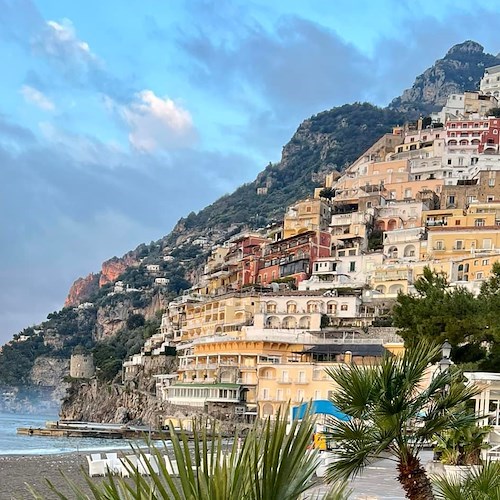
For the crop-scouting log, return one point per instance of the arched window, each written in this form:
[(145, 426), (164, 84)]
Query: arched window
[(409, 251), (289, 322), (331, 307), (312, 307), (393, 252), (305, 322), (394, 289), (271, 307), (291, 307), (272, 322)]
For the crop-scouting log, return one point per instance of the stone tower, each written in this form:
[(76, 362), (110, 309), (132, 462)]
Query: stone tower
[(81, 365)]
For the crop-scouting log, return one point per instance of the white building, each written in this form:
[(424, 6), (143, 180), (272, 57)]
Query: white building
[(490, 83)]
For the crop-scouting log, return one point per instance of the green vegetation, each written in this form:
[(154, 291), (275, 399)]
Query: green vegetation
[(327, 141), (438, 312), (17, 359), (480, 484), (271, 464), (110, 354), (392, 414), (462, 446)]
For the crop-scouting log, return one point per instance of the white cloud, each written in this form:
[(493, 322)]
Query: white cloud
[(157, 123), (59, 42), (39, 99)]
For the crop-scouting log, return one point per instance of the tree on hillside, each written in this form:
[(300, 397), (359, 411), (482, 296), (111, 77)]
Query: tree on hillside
[(437, 312), (327, 193), (393, 414)]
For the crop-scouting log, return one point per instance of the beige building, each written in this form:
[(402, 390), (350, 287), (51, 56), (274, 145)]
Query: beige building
[(312, 214)]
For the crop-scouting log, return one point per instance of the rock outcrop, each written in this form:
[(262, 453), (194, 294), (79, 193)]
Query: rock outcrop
[(459, 70), (115, 266), (82, 290)]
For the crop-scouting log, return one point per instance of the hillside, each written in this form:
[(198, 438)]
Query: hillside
[(328, 141)]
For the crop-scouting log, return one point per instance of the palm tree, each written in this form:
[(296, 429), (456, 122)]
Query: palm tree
[(272, 462), (394, 412)]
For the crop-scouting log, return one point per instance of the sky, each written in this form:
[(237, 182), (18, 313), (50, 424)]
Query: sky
[(119, 117)]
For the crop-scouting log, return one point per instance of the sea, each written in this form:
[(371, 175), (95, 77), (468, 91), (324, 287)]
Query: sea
[(13, 444)]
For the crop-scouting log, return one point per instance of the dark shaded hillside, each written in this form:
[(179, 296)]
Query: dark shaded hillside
[(328, 141)]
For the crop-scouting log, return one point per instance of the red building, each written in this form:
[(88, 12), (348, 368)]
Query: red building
[(293, 257)]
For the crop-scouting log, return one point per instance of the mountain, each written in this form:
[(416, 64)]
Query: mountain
[(325, 142), (459, 70)]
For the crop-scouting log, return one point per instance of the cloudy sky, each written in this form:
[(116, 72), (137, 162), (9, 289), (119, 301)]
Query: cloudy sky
[(117, 117)]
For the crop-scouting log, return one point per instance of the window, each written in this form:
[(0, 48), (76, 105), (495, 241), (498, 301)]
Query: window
[(479, 222), (344, 307), (368, 204), (418, 177), (451, 199), (491, 182), (331, 308), (486, 262), (487, 244), (479, 275), (457, 223), (352, 266), (459, 245), (300, 395), (490, 198), (408, 193), (449, 161), (439, 245), (271, 307)]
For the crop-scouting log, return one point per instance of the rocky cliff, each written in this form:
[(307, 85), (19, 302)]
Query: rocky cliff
[(459, 70), (112, 268), (82, 290)]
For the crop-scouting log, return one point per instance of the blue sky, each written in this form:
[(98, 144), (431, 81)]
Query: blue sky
[(119, 117)]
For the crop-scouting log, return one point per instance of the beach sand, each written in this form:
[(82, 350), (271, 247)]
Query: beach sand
[(17, 470)]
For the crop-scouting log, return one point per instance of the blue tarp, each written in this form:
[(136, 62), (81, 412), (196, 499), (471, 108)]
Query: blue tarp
[(319, 406)]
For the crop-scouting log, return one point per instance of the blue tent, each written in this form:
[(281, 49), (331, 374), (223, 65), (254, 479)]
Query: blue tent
[(319, 406)]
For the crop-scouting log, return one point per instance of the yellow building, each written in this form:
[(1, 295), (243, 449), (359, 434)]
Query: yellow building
[(201, 316), (294, 383), (312, 214), (457, 233)]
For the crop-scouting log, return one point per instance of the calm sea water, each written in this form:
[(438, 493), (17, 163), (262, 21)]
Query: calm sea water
[(13, 444)]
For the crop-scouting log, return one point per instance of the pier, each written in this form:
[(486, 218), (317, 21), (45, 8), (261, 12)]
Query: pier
[(92, 430)]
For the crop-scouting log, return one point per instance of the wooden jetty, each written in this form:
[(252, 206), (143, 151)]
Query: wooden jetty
[(91, 430)]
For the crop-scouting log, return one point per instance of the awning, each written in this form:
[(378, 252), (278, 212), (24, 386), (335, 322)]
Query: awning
[(341, 348), (321, 407)]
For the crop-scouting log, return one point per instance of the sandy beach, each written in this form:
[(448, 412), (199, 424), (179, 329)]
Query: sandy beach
[(16, 471)]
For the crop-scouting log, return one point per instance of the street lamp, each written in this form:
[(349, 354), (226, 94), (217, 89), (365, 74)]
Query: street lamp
[(445, 362), (446, 349)]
